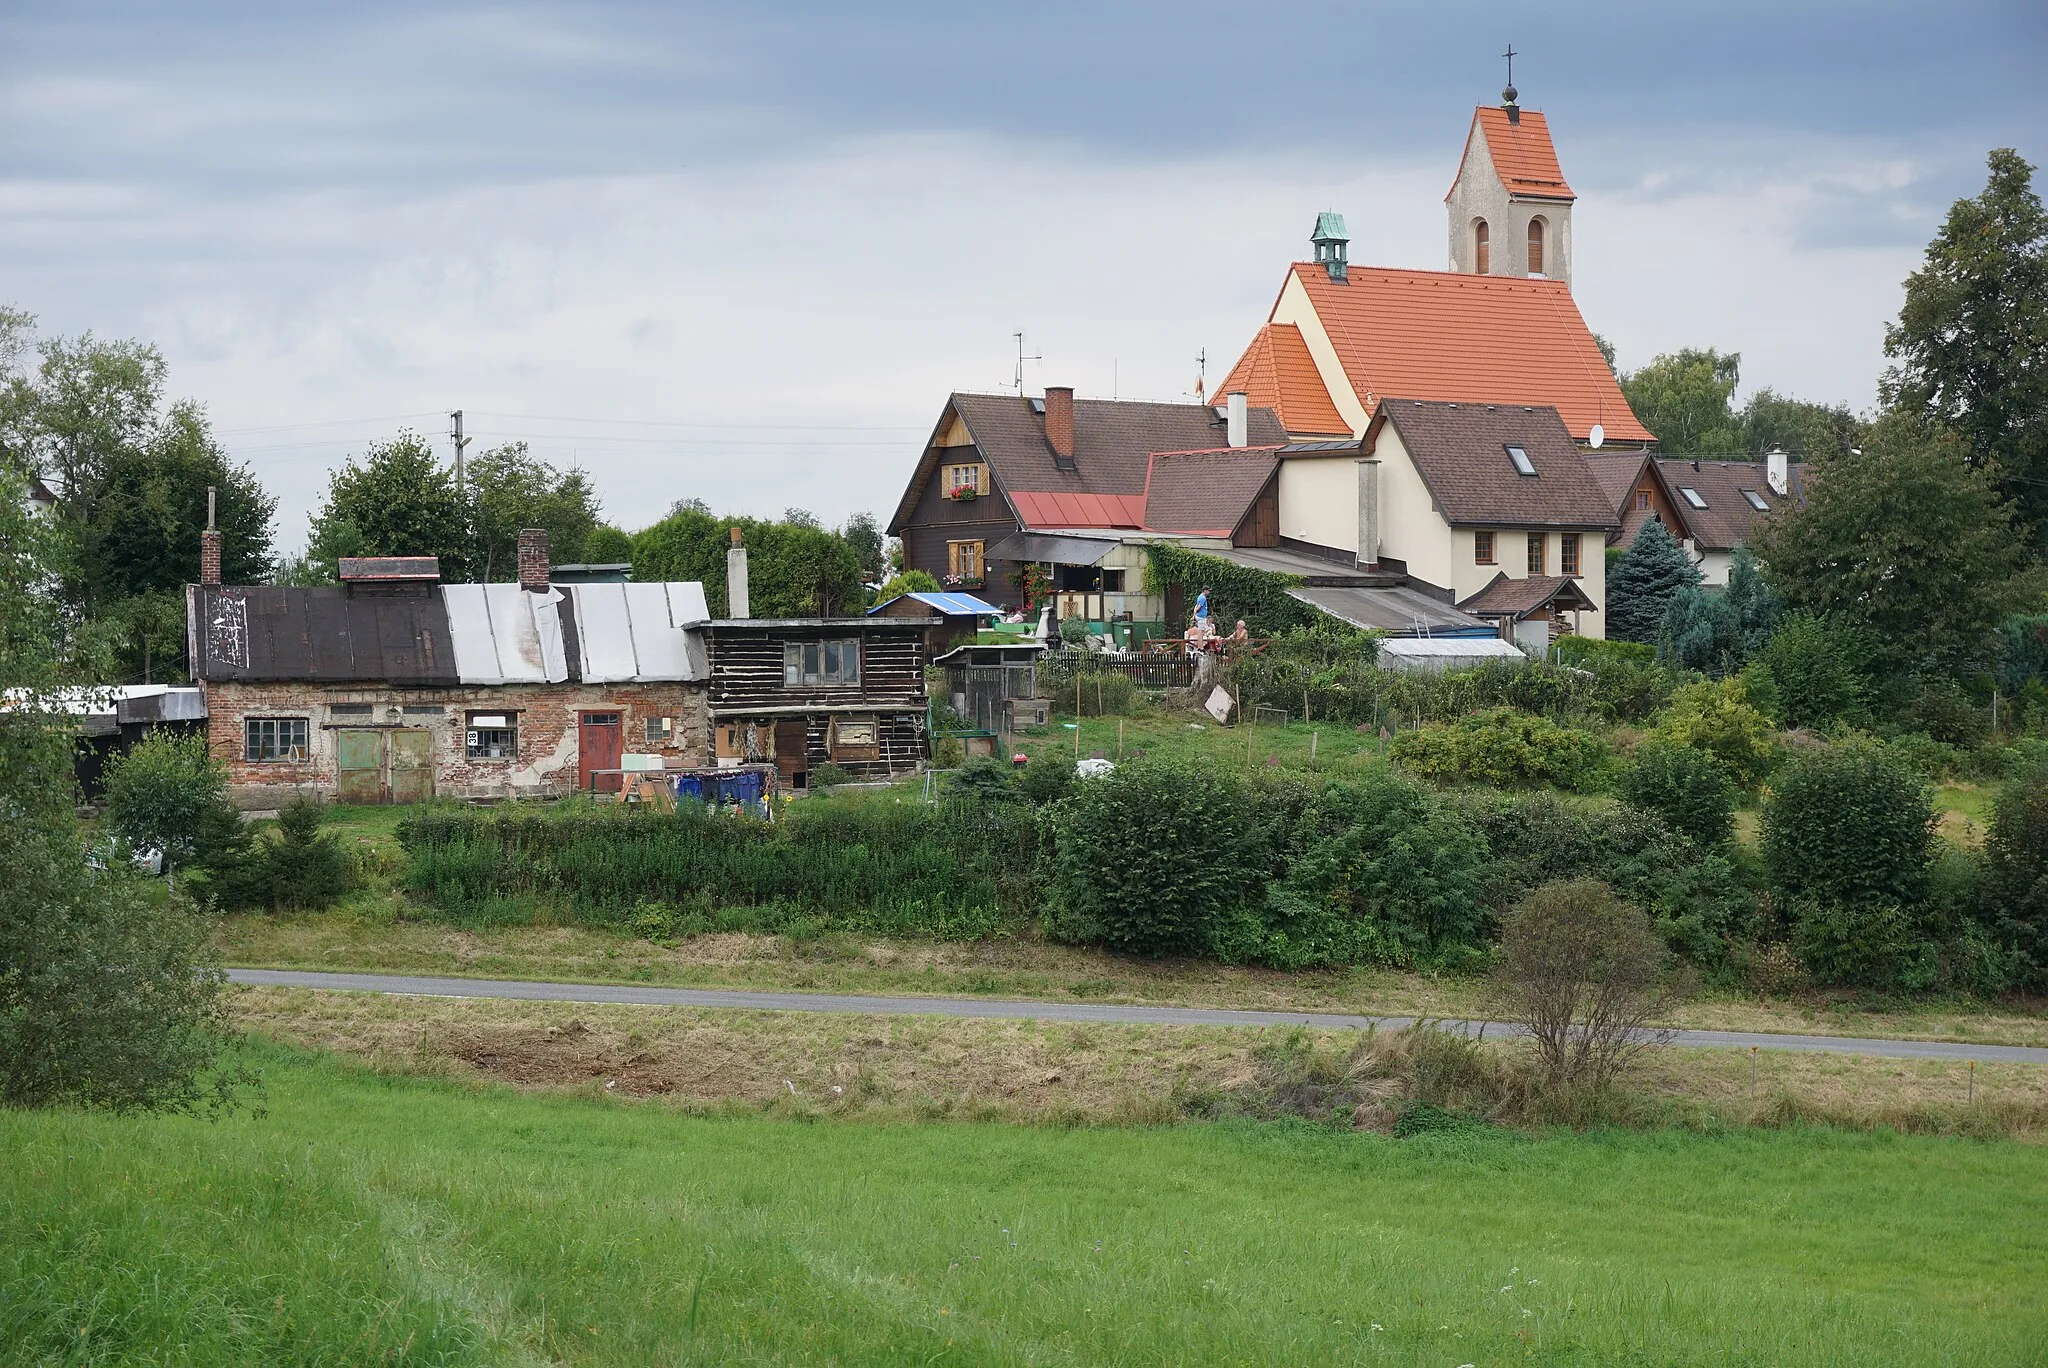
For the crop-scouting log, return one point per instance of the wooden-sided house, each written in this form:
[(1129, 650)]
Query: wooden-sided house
[(807, 691)]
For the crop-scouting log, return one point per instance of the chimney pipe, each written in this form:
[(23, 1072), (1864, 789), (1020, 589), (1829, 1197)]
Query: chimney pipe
[(1059, 422), (736, 605), (209, 545), (1778, 471), (1368, 513), (533, 559), (1236, 420)]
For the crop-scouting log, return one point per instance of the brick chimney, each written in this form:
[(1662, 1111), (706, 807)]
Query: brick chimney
[(1059, 422), (209, 546), (533, 559)]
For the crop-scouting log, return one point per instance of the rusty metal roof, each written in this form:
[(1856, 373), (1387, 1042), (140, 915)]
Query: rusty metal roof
[(445, 635)]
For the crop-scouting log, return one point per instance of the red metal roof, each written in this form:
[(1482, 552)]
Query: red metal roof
[(1063, 508)]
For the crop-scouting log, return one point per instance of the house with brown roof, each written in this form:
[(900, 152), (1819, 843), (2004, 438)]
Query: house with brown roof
[(1492, 508), (1499, 327), (1068, 484), (1711, 506)]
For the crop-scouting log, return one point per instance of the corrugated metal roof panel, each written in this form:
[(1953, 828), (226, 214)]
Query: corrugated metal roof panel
[(604, 630)]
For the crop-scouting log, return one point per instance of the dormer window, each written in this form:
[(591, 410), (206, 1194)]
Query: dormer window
[(1482, 248), (1692, 496), (1756, 501), (1519, 458)]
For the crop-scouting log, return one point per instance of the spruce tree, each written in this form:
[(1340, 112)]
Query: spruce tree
[(1644, 579)]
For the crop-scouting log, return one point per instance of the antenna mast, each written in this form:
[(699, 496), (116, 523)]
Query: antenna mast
[(1202, 376), (455, 431), (1021, 359)]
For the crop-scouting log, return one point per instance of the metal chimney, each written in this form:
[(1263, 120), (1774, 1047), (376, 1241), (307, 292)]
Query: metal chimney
[(1237, 422)]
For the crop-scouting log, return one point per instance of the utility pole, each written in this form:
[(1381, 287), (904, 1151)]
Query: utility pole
[(455, 431)]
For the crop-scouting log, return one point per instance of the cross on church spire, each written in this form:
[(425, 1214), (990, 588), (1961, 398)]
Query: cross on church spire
[(1508, 95)]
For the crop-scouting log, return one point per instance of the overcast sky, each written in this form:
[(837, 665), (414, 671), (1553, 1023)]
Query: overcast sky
[(742, 252)]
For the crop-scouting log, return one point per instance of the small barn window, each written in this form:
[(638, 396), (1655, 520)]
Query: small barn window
[(821, 662), (1692, 496), (1482, 248), (854, 738), (1537, 559), (351, 709), (1482, 548), (493, 736), (1535, 246), (1568, 554), (1642, 498), (275, 738)]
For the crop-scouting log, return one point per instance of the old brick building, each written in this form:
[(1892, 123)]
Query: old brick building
[(394, 687)]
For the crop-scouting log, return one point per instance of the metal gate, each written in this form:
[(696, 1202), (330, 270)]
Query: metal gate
[(411, 754), (383, 766), (359, 766)]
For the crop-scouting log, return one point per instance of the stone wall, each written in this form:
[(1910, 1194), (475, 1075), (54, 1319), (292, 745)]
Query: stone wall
[(547, 761)]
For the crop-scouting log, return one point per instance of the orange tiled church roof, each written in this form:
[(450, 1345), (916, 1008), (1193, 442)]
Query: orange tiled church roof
[(1470, 338), (1277, 372), (1523, 155)]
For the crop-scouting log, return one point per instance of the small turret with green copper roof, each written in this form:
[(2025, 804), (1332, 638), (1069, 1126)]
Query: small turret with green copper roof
[(1330, 241)]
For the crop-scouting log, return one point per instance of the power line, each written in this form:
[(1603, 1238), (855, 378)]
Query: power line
[(331, 422), (657, 422)]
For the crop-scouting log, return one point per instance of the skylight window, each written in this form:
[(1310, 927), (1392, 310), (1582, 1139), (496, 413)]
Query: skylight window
[(1756, 501), (1692, 496), (1523, 465)]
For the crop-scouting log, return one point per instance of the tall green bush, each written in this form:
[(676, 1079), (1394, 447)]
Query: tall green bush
[(1154, 857), (1815, 671), (2016, 873), (1504, 748), (1716, 716), (1378, 871), (168, 793), (1688, 788)]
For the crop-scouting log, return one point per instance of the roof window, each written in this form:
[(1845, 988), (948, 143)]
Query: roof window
[(1692, 496), (1756, 501), (1523, 465)]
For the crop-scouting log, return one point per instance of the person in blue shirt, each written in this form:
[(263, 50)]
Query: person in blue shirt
[(1202, 606)]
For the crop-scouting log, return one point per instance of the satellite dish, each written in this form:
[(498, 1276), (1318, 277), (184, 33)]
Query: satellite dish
[(1596, 437)]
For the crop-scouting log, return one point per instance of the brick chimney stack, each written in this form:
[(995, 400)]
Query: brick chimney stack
[(209, 546), (533, 559), (1059, 422)]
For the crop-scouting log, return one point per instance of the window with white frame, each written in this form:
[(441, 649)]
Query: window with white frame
[(268, 739), (821, 662)]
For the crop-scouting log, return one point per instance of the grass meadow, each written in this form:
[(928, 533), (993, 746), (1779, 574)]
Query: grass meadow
[(367, 1218)]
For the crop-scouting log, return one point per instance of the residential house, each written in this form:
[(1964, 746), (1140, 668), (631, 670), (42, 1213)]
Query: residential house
[(1711, 506), (808, 691), (1492, 508), (1008, 481), (394, 687)]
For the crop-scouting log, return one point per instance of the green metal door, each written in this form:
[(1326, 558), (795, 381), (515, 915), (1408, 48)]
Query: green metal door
[(359, 766), (412, 765)]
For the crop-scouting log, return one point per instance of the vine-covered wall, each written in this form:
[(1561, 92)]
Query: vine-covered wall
[(1235, 591)]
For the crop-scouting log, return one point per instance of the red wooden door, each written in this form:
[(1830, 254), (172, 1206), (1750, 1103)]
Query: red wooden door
[(600, 743)]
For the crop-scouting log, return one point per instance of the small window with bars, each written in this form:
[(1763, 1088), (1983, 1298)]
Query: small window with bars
[(660, 730), (267, 739), (492, 736)]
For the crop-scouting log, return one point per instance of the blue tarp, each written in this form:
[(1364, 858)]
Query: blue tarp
[(953, 605)]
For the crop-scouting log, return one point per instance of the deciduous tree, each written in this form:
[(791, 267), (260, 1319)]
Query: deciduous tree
[(397, 501)]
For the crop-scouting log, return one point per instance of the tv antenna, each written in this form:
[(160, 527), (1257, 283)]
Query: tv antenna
[(1021, 359), (1202, 375)]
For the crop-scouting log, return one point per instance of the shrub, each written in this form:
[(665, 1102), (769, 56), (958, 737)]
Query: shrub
[(1154, 857), (170, 794), (1578, 650), (109, 997), (1882, 945), (1815, 668), (1849, 825), (1696, 897), (828, 774), (1688, 788), (861, 864), (1377, 872), (300, 868), (1581, 971), (982, 779), (1716, 716), (2016, 873), (1048, 778), (1504, 748)]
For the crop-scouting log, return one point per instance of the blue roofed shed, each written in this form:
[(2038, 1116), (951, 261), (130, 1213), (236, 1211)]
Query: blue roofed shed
[(953, 617)]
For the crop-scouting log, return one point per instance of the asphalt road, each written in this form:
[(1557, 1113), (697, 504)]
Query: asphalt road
[(745, 1000)]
